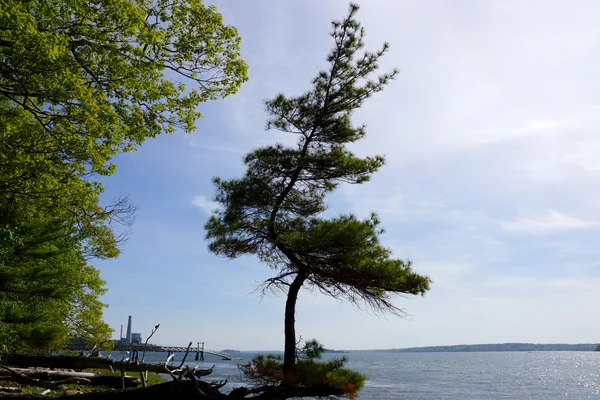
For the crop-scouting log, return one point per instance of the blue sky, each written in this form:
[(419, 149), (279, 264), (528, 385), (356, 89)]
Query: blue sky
[(491, 185)]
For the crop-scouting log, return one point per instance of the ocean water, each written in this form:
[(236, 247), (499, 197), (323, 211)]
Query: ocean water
[(453, 376)]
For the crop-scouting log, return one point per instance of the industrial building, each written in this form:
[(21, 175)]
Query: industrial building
[(130, 337), (136, 338)]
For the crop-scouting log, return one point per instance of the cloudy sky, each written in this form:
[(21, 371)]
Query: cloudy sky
[(492, 182)]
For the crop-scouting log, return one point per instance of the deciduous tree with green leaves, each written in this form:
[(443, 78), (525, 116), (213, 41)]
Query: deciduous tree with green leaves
[(80, 82), (275, 210), (88, 79), (35, 182), (101, 76)]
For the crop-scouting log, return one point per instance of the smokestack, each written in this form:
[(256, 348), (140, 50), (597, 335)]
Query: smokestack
[(121, 335), (128, 338)]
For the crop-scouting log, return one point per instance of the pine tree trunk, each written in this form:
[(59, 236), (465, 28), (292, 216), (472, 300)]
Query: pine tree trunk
[(289, 355)]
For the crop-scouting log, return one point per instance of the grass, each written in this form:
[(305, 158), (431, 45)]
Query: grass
[(153, 378)]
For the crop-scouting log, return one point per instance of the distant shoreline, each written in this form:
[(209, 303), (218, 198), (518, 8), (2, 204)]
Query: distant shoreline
[(469, 348), (462, 348)]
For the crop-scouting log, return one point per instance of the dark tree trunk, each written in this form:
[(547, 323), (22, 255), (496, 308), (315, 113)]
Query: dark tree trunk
[(289, 355)]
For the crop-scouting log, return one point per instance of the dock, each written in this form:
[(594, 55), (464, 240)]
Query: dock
[(200, 350)]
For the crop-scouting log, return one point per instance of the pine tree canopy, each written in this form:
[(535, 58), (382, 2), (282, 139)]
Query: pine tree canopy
[(275, 211), (47, 289)]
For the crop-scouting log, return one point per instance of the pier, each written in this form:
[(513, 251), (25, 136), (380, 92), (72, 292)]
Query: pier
[(200, 350)]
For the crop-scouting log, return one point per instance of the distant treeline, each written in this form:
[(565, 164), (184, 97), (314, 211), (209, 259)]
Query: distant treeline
[(500, 347), (334, 351)]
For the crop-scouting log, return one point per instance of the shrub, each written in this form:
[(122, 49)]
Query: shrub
[(326, 377)]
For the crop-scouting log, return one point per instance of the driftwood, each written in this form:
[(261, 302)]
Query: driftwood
[(188, 390), (80, 363), (24, 380), (163, 391), (63, 377)]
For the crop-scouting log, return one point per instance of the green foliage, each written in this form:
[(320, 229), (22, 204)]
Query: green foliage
[(311, 350), (81, 82), (95, 74), (328, 378), (35, 182), (329, 375), (275, 210), (48, 292), (85, 80), (264, 370), (152, 378)]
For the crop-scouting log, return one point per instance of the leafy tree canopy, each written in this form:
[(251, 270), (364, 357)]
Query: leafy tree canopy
[(275, 210), (35, 183), (81, 81), (95, 73)]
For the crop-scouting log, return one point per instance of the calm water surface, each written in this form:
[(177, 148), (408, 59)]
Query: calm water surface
[(457, 376)]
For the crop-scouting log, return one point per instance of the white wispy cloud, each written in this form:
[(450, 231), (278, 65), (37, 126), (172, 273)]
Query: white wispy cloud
[(205, 204), (564, 147), (220, 149), (550, 222), (529, 283)]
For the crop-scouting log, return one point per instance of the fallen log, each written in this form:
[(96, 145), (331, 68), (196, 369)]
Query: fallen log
[(80, 363), (170, 390), (63, 377), (24, 380)]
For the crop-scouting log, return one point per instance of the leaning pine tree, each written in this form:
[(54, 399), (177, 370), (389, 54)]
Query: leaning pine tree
[(275, 210)]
